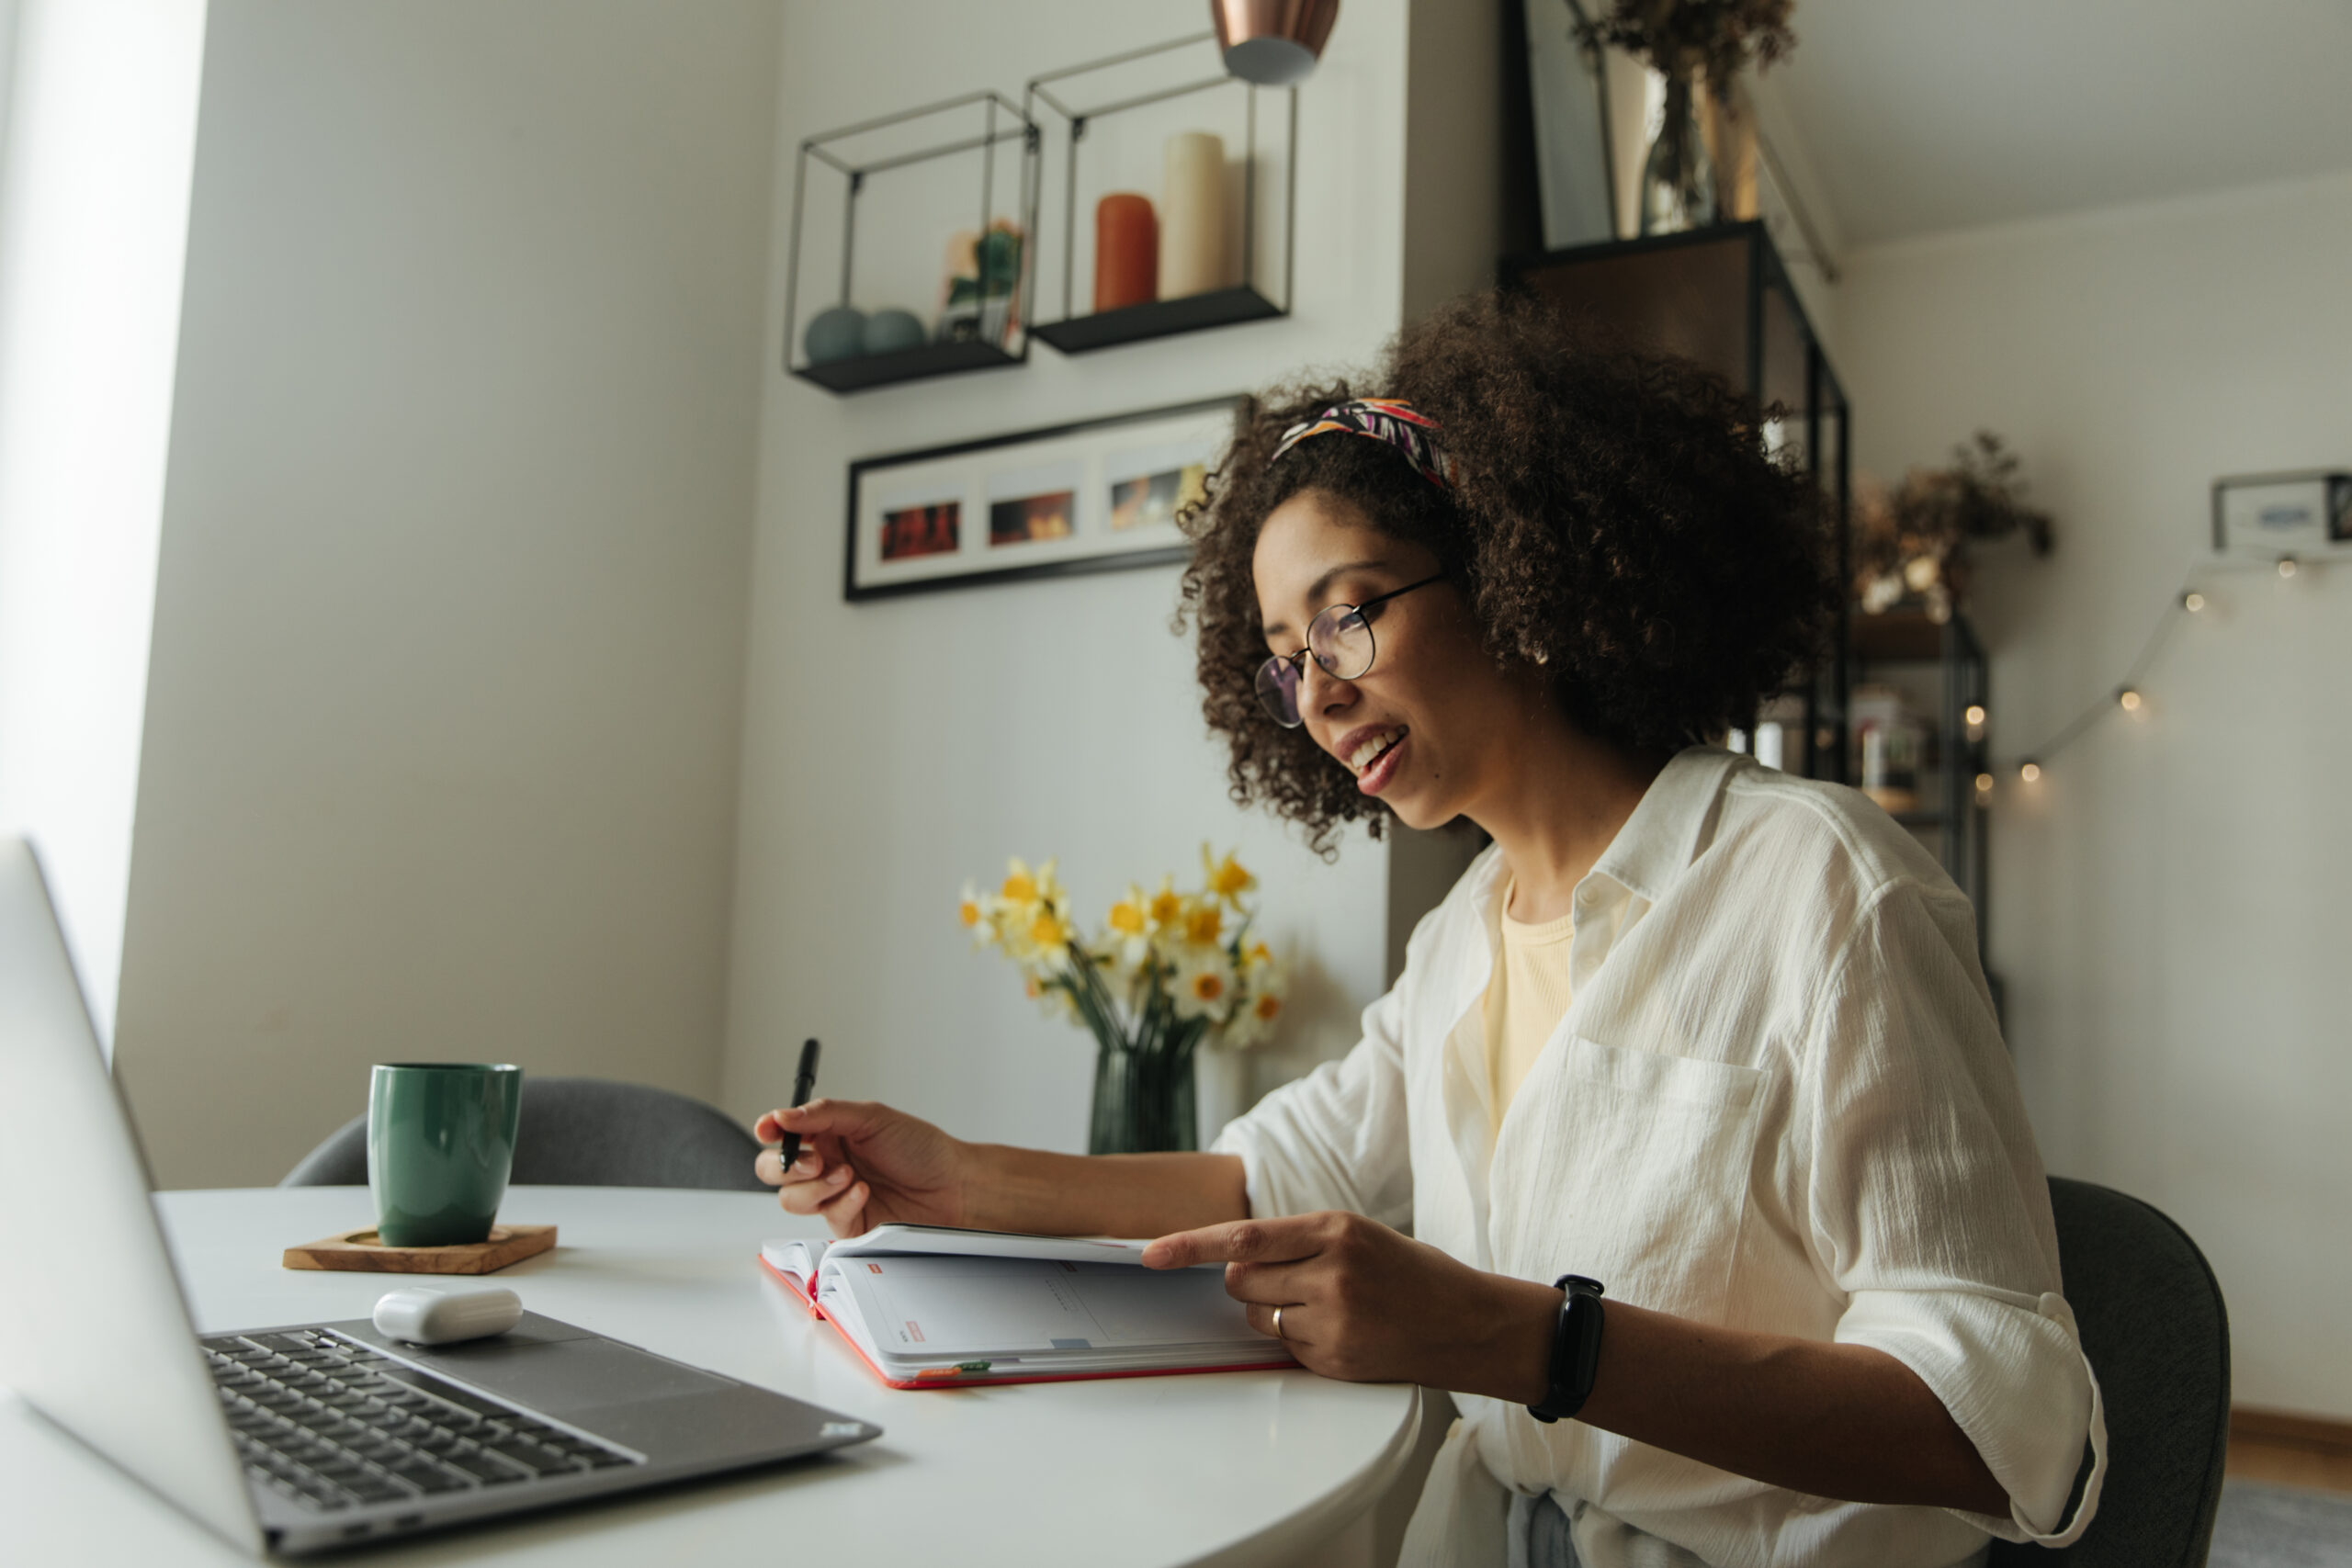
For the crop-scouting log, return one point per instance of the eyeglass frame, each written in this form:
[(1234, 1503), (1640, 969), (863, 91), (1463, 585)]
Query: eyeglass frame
[(1296, 659)]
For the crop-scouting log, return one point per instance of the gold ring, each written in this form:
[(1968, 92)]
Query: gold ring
[(1278, 1325)]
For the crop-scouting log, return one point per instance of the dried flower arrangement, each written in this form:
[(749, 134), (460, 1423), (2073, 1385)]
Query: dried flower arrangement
[(1684, 39), (1912, 545), (1687, 41)]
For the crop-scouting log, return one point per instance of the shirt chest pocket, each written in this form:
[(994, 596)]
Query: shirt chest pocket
[(1632, 1167)]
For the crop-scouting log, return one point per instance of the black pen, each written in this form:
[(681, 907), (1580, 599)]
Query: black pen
[(802, 1082)]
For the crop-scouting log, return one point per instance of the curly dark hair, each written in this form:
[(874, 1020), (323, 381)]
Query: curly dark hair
[(1617, 521)]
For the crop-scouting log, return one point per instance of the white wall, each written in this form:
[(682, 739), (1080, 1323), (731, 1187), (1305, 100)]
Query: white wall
[(98, 132), (441, 733), (894, 749), (2168, 904)]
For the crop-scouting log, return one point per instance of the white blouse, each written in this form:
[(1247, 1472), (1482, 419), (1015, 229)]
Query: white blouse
[(1779, 1101)]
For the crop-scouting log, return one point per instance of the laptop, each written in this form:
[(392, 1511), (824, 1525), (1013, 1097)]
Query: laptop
[(298, 1439)]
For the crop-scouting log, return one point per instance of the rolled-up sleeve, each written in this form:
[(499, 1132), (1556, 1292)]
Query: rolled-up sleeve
[(1930, 1208), (1336, 1138)]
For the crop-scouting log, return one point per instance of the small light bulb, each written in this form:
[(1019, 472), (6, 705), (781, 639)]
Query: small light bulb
[(1975, 714), (2286, 566), (1983, 784), (2192, 601), (2029, 771), (2130, 699)]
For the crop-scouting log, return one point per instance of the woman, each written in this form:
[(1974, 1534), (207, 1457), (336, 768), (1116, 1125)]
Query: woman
[(1704, 1036)]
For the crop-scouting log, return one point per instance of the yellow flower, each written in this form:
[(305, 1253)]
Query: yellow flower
[(1167, 905), (1019, 886), (1226, 879), (1203, 923), (1265, 1009), (968, 911), (1128, 939), (1048, 938)]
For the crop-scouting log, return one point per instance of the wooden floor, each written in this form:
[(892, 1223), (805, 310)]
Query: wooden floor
[(2290, 1450)]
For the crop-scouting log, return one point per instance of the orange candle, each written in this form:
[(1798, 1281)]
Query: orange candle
[(1127, 251)]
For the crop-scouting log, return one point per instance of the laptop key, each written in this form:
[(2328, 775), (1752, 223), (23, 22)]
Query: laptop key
[(489, 1469), (378, 1489), (430, 1478), (537, 1460)]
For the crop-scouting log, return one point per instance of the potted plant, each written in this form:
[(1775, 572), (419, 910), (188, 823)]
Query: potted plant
[(1167, 973), (1913, 544)]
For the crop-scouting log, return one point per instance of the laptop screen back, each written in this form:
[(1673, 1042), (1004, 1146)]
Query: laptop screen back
[(93, 1330)]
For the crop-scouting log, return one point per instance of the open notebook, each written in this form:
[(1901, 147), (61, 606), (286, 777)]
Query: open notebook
[(928, 1307)]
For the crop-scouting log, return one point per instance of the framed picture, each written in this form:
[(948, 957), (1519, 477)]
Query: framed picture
[(1093, 496)]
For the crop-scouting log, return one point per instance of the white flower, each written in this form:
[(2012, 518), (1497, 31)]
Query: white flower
[(1202, 985), (978, 911), (1263, 980)]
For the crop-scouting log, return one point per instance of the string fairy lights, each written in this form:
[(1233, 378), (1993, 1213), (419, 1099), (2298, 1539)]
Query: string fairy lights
[(2126, 696)]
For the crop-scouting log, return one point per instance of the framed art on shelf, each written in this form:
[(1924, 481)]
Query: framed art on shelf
[(1092, 496)]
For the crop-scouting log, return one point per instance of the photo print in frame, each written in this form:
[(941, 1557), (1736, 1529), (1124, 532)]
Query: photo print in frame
[(1093, 496)]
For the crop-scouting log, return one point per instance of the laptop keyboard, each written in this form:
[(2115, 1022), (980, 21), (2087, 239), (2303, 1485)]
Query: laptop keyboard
[(333, 1424)]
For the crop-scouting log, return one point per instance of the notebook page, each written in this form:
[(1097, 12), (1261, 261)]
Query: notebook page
[(951, 1241), (951, 1308)]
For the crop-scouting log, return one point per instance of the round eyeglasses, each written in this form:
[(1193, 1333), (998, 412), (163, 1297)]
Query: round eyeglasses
[(1340, 640)]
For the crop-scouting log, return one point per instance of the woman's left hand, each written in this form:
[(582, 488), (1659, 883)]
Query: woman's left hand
[(1363, 1303)]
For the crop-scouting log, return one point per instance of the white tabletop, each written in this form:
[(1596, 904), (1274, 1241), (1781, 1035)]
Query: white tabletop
[(1227, 1468)]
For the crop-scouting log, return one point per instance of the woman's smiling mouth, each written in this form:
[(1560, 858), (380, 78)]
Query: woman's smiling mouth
[(1369, 749), (1372, 754)]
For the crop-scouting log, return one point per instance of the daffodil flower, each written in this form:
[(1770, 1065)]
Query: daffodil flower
[(1226, 879), (1048, 938), (1203, 986), (1127, 938), (1167, 906), (973, 910), (1252, 1020)]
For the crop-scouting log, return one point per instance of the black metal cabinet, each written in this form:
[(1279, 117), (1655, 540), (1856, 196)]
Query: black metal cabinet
[(1941, 666), (1722, 297)]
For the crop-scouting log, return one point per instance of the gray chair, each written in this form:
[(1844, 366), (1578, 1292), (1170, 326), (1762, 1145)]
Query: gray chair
[(2157, 1335), (586, 1132)]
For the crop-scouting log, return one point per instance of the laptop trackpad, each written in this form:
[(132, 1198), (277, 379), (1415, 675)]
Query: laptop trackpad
[(565, 1376)]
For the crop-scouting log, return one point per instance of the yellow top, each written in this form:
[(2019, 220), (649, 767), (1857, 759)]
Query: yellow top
[(1526, 997)]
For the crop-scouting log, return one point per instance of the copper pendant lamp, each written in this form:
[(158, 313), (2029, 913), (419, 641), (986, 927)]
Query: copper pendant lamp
[(1272, 42)]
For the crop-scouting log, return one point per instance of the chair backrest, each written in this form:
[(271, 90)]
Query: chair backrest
[(586, 1132), (2157, 1335)]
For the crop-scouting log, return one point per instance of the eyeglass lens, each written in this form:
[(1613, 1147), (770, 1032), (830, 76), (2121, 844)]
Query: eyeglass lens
[(1339, 640)]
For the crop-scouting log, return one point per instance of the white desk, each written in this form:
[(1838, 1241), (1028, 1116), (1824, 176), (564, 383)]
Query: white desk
[(1237, 1468)]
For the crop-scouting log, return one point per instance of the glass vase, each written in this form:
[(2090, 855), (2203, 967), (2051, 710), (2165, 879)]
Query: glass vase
[(1144, 1100), (1677, 178)]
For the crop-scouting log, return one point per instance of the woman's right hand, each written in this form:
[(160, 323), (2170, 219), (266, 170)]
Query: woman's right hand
[(864, 1165)]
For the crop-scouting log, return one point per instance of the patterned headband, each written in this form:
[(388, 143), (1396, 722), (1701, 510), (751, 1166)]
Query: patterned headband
[(1388, 420)]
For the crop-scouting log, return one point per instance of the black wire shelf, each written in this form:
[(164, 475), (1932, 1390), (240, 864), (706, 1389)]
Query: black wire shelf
[(1158, 318)]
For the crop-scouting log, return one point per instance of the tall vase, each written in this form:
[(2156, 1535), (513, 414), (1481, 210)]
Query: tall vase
[(1730, 128), (1144, 1100), (1678, 181)]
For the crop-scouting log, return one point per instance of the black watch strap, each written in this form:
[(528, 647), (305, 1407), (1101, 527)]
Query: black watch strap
[(1575, 1349)]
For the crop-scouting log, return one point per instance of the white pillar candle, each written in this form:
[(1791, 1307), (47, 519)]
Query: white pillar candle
[(1192, 216)]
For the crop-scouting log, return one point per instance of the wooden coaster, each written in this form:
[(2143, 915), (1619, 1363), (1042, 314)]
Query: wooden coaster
[(359, 1252)]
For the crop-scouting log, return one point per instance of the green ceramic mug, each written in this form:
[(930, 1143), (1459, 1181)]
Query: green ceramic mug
[(440, 1147)]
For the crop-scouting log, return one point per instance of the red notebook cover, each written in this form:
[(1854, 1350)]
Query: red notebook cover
[(956, 1377)]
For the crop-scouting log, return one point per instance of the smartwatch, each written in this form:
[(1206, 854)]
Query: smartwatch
[(1575, 1349)]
